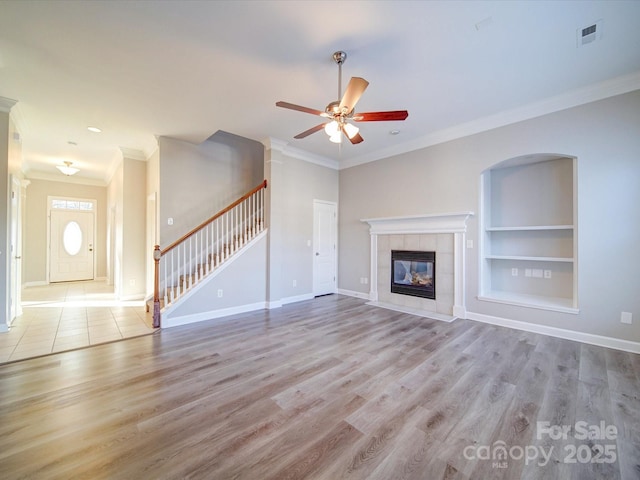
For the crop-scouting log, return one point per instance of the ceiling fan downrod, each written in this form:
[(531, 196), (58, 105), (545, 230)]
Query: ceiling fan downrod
[(339, 57)]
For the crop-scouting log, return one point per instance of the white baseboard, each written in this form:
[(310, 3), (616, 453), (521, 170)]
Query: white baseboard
[(353, 293), (284, 301), (274, 304), (211, 315), (591, 339), (298, 298), (414, 311), (3, 328), (39, 283)]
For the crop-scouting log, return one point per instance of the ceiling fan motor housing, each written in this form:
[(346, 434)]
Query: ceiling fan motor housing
[(339, 57)]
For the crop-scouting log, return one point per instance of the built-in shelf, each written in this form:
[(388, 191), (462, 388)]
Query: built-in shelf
[(529, 228), (555, 304), (529, 234), (529, 258)]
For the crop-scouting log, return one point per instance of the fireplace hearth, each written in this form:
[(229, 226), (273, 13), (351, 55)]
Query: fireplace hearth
[(413, 273)]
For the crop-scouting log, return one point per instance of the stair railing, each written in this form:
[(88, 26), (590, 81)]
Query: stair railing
[(193, 256)]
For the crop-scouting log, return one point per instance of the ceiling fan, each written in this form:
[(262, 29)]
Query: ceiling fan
[(342, 110)]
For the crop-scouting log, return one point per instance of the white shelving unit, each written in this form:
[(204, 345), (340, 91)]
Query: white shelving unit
[(529, 233)]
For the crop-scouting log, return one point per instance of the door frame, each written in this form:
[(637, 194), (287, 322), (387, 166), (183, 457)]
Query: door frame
[(317, 202), (15, 249), (50, 199)]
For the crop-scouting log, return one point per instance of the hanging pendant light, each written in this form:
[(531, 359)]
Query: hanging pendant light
[(67, 169)]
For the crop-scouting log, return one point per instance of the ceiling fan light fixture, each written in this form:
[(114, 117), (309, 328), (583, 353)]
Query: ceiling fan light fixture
[(350, 130), (332, 128), (337, 138), (67, 169)]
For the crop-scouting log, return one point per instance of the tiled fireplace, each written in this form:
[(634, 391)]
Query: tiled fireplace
[(444, 235)]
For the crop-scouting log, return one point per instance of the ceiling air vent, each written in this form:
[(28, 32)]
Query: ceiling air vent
[(589, 34)]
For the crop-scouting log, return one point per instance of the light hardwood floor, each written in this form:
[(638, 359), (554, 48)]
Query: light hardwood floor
[(324, 389)]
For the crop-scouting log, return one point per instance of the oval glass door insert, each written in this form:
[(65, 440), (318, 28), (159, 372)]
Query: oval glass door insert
[(72, 238)]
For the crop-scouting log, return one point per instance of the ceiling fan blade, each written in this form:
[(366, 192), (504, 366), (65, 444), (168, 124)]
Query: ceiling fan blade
[(357, 138), (352, 94), (380, 116), (306, 133), (299, 108)]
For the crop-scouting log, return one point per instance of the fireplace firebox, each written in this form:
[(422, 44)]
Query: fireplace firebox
[(413, 273)]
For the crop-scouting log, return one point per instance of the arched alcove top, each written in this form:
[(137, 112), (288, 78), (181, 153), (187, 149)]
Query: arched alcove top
[(527, 160)]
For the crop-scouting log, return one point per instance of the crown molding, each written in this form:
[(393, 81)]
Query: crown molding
[(286, 149), (6, 104), (19, 120), (38, 175), (574, 98), (133, 154)]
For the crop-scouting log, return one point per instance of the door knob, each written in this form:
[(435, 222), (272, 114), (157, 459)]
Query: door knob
[(317, 254)]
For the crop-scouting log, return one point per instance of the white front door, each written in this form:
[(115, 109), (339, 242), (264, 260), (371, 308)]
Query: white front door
[(324, 247), (71, 245)]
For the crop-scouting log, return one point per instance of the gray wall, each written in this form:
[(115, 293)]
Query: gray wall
[(196, 181), (445, 178), (242, 282), (293, 185)]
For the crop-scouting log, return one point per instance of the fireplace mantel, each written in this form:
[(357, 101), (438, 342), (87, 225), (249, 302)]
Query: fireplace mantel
[(438, 223), (454, 223)]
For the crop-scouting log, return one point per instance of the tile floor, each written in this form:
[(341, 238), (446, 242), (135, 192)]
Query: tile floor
[(65, 316)]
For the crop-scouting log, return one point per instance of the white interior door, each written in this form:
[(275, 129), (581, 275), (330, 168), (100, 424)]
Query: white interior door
[(16, 250), (71, 245), (324, 247)]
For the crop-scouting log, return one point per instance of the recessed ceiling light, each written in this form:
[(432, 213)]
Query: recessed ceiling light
[(394, 132), (94, 129)]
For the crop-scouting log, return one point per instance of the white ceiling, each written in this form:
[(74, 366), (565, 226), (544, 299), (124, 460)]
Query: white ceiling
[(186, 69)]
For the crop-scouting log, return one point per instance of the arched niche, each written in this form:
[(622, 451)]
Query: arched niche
[(529, 232)]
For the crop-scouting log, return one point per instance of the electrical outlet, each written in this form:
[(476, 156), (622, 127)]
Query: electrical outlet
[(219, 293), (169, 221), (547, 274), (366, 280), (626, 317), (295, 283), (514, 272)]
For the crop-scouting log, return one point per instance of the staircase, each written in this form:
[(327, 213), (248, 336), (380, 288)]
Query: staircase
[(198, 254)]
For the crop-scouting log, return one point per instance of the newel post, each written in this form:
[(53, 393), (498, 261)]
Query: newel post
[(156, 286)]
